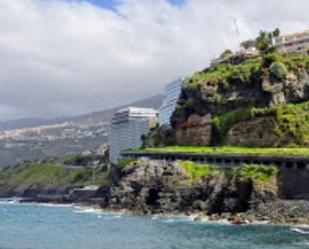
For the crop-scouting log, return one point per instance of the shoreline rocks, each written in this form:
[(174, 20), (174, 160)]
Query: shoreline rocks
[(148, 187)]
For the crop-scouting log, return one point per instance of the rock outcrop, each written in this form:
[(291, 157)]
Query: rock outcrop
[(256, 132), (160, 187), (157, 187), (221, 90)]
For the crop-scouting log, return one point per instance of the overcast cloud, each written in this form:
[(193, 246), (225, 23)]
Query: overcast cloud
[(63, 58)]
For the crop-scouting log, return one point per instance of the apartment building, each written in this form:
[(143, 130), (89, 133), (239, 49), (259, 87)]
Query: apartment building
[(128, 125), (171, 94), (297, 43)]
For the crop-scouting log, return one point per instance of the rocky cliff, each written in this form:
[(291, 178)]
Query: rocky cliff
[(249, 192), (158, 187), (260, 102)]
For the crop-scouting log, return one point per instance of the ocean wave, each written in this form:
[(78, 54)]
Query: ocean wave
[(54, 205), (10, 201), (302, 226), (298, 230), (180, 219), (87, 210), (302, 229), (18, 202), (192, 219)]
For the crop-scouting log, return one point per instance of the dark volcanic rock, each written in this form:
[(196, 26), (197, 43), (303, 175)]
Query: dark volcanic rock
[(161, 187)]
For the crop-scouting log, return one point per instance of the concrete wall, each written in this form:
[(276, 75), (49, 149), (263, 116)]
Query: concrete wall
[(294, 183)]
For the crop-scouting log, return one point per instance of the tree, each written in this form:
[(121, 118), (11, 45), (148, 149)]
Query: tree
[(276, 32), (265, 40)]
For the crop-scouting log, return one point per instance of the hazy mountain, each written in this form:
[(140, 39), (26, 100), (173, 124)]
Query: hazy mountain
[(152, 102), (103, 115), (27, 123)]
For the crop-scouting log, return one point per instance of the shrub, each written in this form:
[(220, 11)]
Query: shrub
[(278, 69), (256, 172), (124, 162), (223, 122), (198, 171), (270, 58)]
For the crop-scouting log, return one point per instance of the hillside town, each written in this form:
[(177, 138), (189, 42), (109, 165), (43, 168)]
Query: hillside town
[(53, 140)]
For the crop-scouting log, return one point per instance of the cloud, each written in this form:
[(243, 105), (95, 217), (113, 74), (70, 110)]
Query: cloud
[(60, 58)]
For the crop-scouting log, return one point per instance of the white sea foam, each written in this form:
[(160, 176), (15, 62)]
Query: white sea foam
[(98, 212), (54, 205), (169, 220), (300, 230), (86, 210), (10, 201), (302, 226)]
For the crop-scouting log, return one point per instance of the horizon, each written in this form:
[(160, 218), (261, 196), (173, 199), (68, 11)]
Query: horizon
[(66, 58)]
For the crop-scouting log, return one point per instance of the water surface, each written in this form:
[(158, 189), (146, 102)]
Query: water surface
[(31, 226)]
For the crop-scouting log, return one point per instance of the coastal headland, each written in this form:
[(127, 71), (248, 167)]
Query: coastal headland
[(237, 148)]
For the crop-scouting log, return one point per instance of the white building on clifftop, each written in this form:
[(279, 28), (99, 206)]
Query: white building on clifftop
[(128, 125), (297, 43)]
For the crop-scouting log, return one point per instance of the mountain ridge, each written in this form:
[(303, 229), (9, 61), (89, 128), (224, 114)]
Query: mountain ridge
[(31, 122)]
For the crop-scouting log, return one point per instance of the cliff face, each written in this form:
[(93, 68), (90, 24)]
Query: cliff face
[(196, 129), (158, 187), (241, 97)]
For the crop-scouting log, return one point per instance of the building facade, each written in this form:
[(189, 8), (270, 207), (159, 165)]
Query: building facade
[(171, 94), (293, 43), (128, 125)]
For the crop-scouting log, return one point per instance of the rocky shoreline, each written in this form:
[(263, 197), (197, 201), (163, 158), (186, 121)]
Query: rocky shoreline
[(284, 213), (147, 187)]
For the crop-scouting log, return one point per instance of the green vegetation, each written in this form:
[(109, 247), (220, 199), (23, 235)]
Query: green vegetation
[(225, 73), (51, 175), (292, 63), (124, 162), (291, 120), (231, 150), (264, 42), (227, 53), (258, 173), (41, 174), (198, 171), (279, 70), (223, 122)]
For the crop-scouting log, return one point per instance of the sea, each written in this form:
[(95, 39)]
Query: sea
[(39, 226)]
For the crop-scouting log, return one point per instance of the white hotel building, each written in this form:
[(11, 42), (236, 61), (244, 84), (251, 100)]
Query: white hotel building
[(171, 94), (293, 43), (127, 127)]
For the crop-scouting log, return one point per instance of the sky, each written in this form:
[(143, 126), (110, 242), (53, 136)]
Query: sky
[(68, 57)]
